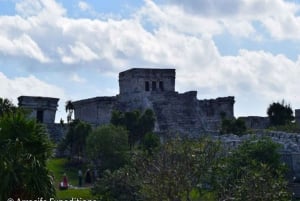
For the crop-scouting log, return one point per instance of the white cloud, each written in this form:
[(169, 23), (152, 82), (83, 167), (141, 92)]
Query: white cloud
[(41, 8), (76, 78), (160, 36), (31, 86), (84, 6), (23, 45)]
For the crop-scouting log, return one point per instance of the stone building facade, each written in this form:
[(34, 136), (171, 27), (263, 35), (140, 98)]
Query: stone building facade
[(256, 122), (143, 88), (43, 109)]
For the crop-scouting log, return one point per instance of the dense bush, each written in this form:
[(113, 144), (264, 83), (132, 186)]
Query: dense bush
[(233, 126), (280, 114), (25, 147), (108, 147)]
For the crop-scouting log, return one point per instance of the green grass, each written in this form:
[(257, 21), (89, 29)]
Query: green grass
[(59, 166), (74, 193)]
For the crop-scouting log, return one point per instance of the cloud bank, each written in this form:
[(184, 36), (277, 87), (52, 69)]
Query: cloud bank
[(174, 34)]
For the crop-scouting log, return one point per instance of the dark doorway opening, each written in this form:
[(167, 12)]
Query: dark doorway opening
[(161, 86), (147, 87), (40, 116)]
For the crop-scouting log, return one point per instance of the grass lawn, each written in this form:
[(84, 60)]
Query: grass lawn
[(59, 166)]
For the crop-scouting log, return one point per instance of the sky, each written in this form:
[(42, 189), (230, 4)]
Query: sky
[(73, 49)]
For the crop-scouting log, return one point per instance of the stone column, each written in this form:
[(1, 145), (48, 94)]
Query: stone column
[(297, 116)]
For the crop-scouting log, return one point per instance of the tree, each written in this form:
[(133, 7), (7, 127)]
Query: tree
[(150, 142), (252, 172), (75, 139), (234, 126), (120, 185), (280, 113), (6, 106), (25, 147), (107, 146), (137, 123), (177, 168), (69, 109)]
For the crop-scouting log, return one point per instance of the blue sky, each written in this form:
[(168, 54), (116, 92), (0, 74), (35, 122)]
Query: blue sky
[(74, 49)]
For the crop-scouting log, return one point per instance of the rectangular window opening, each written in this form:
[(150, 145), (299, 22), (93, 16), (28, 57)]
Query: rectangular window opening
[(147, 88), (161, 86), (153, 86), (40, 116)]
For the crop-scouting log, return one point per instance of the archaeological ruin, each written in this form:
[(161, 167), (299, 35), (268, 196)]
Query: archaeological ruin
[(142, 88), (176, 113)]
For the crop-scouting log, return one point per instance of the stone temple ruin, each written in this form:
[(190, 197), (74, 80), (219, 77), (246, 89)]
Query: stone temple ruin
[(142, 88), (176, 113), (43, 109)]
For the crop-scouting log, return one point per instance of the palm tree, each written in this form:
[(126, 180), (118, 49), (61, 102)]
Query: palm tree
[(25, 148), (70, 109), (6, 106)]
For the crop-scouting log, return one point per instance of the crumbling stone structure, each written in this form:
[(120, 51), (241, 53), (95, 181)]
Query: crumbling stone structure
[(43, 109), (297, 116), (142, 88), (256, 122)]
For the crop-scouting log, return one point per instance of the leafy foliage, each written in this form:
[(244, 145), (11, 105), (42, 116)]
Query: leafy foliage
[(178, 167), (120, 185), (136, 123), (252, 172), (280, 113), (25, 147), (6, 106), (75, 139), (69, 109), (107, 146), (234, 126), (150, 142), (291, 127)]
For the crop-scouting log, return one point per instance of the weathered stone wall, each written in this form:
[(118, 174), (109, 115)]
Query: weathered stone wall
[(146, 80), (297, 116), (256, 122), (175, 112), (56, 131), (213, 109), (290, 146), (96, 111), (42, 108), (178, 113)]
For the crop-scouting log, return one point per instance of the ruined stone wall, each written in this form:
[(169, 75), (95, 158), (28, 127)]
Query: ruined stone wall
[(42, 108), (213, 109), (178, 113), (96, 111), (175, 112), (297, 116), (146, 80), (256, 122), (290, 146), (56, 131)]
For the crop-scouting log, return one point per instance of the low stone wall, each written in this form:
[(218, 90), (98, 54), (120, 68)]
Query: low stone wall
[(290, 149), (56, 131)]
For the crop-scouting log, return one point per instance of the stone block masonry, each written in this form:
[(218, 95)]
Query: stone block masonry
[(142, 88)]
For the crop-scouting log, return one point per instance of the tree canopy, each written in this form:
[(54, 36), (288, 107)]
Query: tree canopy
[(69, 109), (75, 139), (253, 172), (137, 123), (107, 146), (25, 147), (6, 106), (234, 126), (280, 113)]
